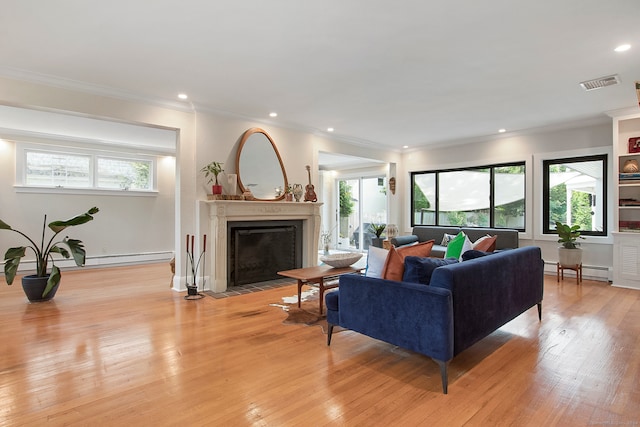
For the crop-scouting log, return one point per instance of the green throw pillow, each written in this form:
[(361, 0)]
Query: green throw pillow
[(454, 248)]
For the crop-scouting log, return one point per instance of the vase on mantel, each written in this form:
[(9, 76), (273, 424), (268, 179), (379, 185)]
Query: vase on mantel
[(297, 191)]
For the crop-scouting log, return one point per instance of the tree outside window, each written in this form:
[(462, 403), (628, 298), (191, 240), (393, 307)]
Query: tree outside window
[(574, 193)]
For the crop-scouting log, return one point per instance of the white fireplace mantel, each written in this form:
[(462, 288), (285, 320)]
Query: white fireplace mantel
[(223, 211)]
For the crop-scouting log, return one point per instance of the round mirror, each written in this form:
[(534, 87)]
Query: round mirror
[(259, 166)]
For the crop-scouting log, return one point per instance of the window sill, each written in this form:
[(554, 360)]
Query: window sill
[(91, 191)]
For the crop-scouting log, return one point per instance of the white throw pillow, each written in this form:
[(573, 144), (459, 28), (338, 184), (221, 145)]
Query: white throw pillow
[(375, 261), (466, 246), (447, 238)]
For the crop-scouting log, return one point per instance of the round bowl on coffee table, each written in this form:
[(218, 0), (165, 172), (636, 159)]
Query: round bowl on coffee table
[(341, 260)]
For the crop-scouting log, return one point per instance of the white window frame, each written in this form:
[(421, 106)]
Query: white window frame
[(94, 153)]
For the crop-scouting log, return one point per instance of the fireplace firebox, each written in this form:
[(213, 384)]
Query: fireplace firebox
[(257, 250)]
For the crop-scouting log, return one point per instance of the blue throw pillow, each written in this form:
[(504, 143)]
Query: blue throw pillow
[(419, 270), (473, 254)]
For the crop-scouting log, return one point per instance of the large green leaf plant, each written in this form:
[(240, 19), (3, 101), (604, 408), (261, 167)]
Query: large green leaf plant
[(66, 247), (568, 235)]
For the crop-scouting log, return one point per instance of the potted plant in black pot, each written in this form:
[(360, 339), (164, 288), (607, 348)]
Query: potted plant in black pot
[(43, 285), (377, 229), (569, 254)]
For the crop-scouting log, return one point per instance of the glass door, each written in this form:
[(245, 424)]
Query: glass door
[(362, 202)]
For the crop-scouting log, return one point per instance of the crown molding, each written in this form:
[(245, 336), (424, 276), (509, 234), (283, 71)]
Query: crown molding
[(90, 88)]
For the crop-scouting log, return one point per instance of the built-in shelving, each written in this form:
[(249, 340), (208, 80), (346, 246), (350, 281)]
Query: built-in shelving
[(626, 236)]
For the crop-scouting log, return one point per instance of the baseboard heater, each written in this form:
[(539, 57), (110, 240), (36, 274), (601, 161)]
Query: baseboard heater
[(104, 260), (599, 272)]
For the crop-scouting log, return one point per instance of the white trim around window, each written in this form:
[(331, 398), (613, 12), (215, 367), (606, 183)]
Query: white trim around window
[(75, 170)]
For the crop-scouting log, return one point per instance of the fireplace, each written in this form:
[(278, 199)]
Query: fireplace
[(257, 250), (215, 215)]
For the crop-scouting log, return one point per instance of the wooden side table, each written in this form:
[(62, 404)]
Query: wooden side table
[(577, 268)]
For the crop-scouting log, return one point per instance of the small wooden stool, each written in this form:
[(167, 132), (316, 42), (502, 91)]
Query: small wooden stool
[(577, 268)]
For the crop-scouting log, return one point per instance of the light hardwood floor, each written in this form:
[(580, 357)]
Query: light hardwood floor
[(117, 347)]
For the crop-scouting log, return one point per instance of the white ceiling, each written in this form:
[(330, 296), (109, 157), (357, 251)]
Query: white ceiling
[(416, 73)]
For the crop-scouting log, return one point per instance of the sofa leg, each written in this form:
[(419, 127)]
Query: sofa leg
[(443, 374), (540, 311), (329, 332)]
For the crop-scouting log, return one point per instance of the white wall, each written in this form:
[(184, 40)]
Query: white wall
[(137, 225), (125, 225), (128, 225), (529, 147)]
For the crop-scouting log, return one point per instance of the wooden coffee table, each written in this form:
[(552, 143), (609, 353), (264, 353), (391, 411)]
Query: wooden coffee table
[(319, 276)]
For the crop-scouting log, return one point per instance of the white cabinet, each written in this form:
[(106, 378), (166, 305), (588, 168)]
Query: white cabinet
[(626, 236), (626, 260)]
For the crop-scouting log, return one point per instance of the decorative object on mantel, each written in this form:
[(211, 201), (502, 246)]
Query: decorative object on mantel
[(341, 260), (248, 195), (288, 193), (630, 166), (193, 265), (297, 192), (213, 169), (232, 180), (225, 197), (634, 144), (392, 184), (310, 194)]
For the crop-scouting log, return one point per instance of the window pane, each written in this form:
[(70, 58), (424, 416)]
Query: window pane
[(575, 193), (349, 231), (424, 198), (509, 197), (124, 174), (57, 169), (464, 197)]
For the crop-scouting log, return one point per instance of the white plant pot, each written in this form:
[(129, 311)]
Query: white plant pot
[(569, 257)]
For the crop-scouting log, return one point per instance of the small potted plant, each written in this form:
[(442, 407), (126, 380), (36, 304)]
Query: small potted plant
[(43, 285), (569, 254), (288, 193), (211, 172), (377, 229)]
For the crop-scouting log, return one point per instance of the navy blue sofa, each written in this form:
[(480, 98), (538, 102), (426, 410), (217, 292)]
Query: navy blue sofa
[(463, 303)]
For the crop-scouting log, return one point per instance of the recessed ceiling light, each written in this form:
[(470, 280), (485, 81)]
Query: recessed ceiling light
[(405, 146), (502, 130), (623, 48), (182, 96), (274, 114), (329, 129)]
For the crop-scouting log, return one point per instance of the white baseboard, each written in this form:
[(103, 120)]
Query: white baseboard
[(103, 261)]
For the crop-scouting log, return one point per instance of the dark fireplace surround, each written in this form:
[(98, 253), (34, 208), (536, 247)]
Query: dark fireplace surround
[(257, 250)]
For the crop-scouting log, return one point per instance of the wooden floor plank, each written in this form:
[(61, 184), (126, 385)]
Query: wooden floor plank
[(117, 347)]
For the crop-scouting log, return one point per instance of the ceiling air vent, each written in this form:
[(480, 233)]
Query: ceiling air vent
[(600, 82)]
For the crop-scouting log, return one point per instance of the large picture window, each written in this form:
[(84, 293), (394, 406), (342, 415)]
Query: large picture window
[(575, 193), (484, 196)]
